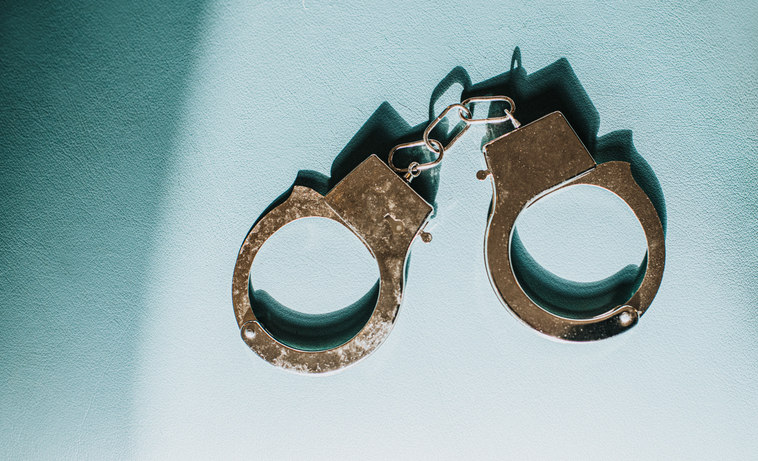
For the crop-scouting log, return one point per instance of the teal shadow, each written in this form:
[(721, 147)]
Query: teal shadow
[(384, 129), (313, 332), (91, 96), (557, 88), (568, 298)]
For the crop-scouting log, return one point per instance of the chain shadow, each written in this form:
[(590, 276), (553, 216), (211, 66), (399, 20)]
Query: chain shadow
[(557, 88), (553, 88)]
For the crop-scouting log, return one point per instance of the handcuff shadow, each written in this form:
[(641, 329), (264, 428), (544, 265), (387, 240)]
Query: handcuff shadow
[(557, 88), (553, 88), (383, 130)]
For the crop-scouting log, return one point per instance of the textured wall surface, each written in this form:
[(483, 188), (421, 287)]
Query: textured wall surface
[(139, 143)]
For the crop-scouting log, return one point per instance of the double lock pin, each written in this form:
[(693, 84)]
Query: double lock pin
[(386, 214)]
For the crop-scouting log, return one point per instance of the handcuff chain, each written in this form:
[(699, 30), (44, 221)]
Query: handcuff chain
[(466, 116)]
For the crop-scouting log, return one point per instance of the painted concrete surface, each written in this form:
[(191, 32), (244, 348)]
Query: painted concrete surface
[(139, 143)]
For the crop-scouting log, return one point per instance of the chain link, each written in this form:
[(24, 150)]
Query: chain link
[(463, 112), (466, 116)]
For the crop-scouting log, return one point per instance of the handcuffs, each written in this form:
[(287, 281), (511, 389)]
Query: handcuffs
[(386, 214)]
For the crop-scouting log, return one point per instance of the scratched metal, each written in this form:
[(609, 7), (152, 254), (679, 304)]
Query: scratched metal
[(527, 164), (381, 210)]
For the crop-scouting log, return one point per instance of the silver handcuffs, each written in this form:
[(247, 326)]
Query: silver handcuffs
[(386, 214)]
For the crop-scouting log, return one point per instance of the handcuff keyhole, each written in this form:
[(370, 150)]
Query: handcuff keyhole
[(395, 224)]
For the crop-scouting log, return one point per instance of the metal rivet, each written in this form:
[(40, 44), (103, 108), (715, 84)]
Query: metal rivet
[(625, 318), (248, 332)]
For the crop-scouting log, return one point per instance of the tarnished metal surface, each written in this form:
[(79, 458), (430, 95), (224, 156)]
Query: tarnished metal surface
[(525, 165), (380, 209)]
